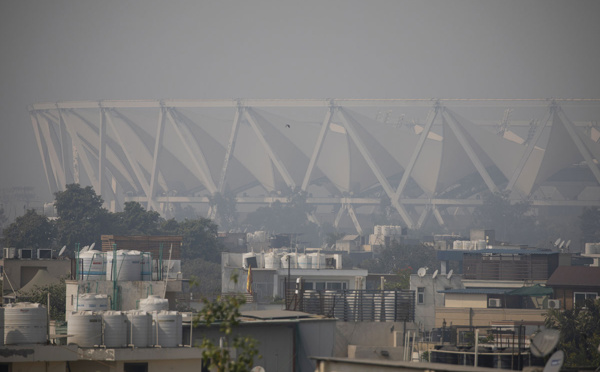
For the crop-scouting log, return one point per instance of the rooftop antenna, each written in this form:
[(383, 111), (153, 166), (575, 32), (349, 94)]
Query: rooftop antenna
[(434, 274), (557, 242), (422, 271), (544, 342), (450, 273), (555, 362)]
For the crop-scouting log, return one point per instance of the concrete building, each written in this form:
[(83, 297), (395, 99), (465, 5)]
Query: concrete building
[(22, 269), (429, 296), (573, 285)]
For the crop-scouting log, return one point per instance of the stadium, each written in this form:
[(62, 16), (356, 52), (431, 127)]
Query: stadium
[(429, 160)]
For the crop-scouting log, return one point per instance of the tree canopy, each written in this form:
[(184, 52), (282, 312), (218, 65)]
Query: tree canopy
[(395, 258), (30, 230)]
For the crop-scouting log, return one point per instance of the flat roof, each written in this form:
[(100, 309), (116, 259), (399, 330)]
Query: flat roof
[(494, 291)]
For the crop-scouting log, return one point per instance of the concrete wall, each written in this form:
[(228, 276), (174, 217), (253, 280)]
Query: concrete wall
[(39, 367), (368, 334), (20, 272), (463, 300), (425, 312)]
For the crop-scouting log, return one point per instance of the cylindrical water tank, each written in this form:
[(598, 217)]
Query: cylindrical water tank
[(128, 265), (91, 302), (480, 244), (92, 265), (304, 261), (85, 328), (171, 268), (288, 260), (154, 303), (272, 260), (139, 328), (146, 266), (25, 323), (115, 328), (167, 328), (318, 260)]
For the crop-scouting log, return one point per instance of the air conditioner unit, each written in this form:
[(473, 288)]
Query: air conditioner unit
[(26, 253), (494, 302), (553, 304), (44, 253), (9, 253)]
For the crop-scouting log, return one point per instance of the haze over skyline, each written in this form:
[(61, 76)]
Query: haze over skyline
[(73, 50)]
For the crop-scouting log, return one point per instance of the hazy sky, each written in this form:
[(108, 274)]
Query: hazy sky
[(52, 50)]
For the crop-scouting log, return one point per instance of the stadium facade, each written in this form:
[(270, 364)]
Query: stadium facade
[(429, 160)]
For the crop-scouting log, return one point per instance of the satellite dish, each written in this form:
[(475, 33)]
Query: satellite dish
[(557, 242), (257, 369), (421, 272), (568, 244), (84, 249), (62, 250), (555, 362), (544, 342), (450, 273), (92, 246), (561, 244), (434, 274)]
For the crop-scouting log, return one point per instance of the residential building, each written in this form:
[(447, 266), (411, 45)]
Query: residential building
[(573, 285)]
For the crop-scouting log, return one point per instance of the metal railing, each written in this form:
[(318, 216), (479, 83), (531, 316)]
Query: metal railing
[(355, 305)]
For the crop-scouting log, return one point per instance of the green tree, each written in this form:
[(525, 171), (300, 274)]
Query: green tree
[(39, 294), (135, 220), (226, 209), (579, 333), (3, 217), (81, 217), (511, 221), (225, 312), (30, 230), (589, 223), (396, 257), (200, 240)]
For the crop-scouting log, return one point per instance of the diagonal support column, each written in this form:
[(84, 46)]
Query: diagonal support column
[(160, 129), (375, 168), (318, 147), (274, 158), (196, 157), (424, 214), (354, 219), (230, 147), (415, 155), (530, 146), (36, 130), (438, 215), (579, 144), (452, 123)]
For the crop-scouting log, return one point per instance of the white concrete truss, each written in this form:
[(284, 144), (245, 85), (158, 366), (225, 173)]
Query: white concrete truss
[(423, 156)]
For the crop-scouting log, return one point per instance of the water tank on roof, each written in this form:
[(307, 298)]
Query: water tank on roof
[(304, 261), (154, 303), (272, 260), (85, 328), (146, 266), (115, 328), (25, 323), (92, 302), (288, 260), (167, 328), (139, 328), (128, 265), (92, 265)]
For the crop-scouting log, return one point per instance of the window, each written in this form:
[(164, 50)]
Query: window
[(421, 295), (580, 297)]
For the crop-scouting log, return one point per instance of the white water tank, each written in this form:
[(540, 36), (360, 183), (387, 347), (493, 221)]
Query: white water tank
[(154, 303), (318, 261), (146, 266), (166, 328), (115, 328), (25, 323), (92, 265), (128, 265), (85, 328), (139, 328), (272, 260), (291, 262), (304, 261), (91, 302)]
